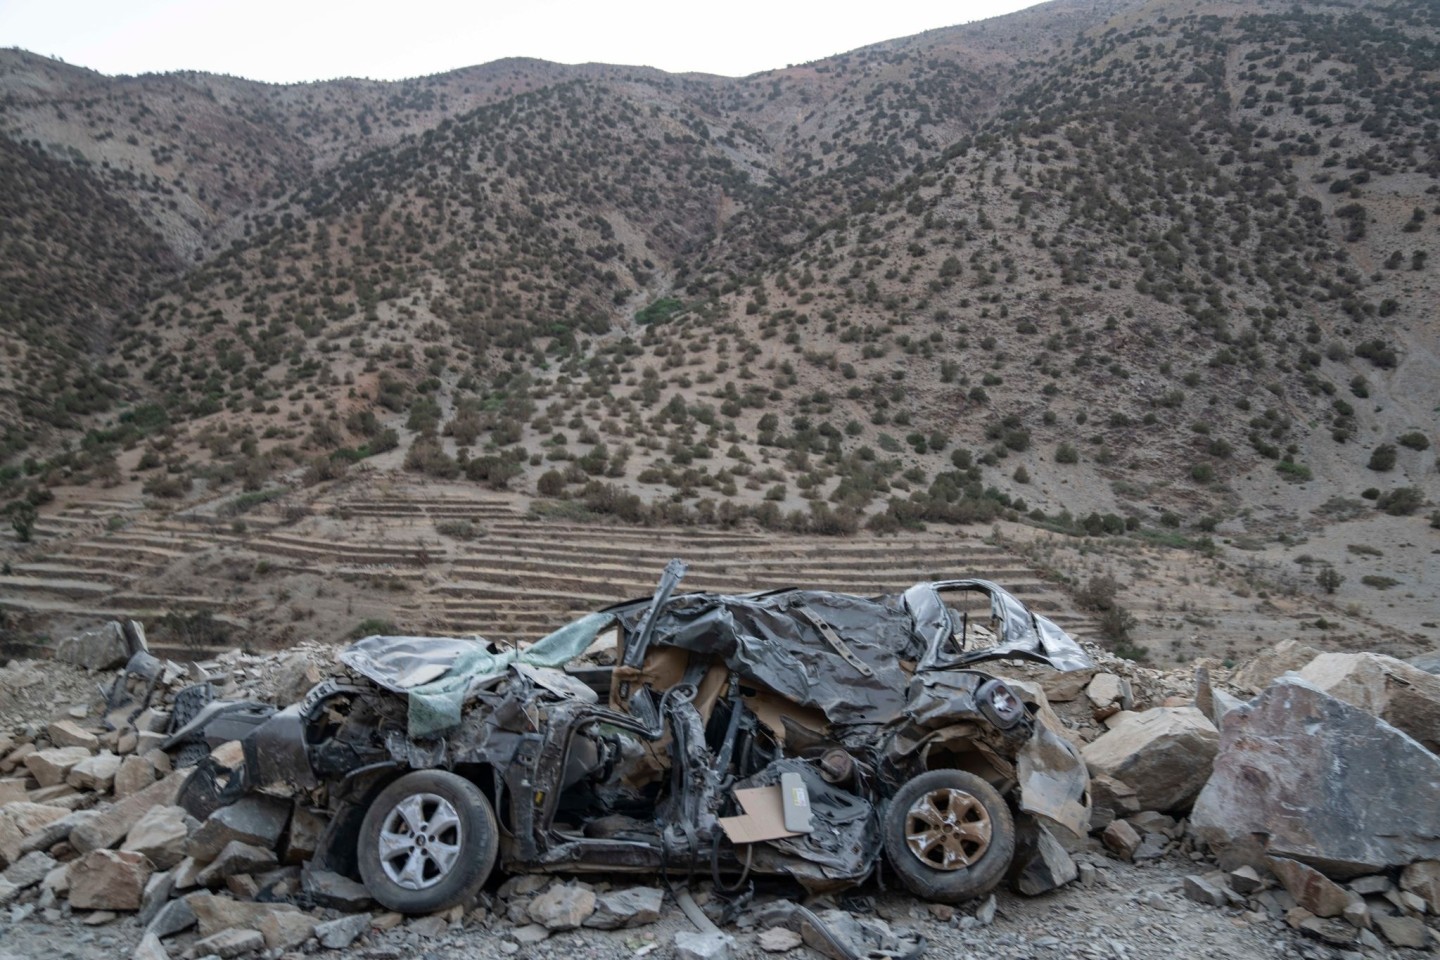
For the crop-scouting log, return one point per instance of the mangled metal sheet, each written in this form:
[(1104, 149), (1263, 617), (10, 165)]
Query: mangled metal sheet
[(437, 674), (1022, 634)]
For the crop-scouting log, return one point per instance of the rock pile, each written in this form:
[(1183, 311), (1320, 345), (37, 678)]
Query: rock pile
[(1314, 805)]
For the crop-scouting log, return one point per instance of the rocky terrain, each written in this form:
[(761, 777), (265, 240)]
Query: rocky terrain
[(96, 860)]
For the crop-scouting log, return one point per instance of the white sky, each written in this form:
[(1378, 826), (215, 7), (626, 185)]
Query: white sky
[(287, 41)]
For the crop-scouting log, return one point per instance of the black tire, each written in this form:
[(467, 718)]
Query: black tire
[(443, 863), (959, 846)]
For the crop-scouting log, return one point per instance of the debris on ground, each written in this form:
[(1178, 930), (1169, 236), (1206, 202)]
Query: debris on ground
[(1306, 824)]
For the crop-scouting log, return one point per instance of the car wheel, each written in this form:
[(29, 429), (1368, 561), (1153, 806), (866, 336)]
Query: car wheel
[(949, 835), (427, 842)]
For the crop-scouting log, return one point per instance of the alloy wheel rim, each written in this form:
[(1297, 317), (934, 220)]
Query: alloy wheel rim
[(947, 829), (420, 841)]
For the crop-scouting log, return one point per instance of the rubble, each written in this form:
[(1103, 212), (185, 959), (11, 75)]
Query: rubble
[(238, 851)]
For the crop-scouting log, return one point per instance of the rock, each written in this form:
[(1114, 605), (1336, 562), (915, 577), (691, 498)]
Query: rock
[(285, 930), (134, 775), (229, 943), (704, 946), (1067, 686), (1109, 799), (111, 825), (522, 886), (172, 918), (1402, 931), (51, 767), (1245, 880), (18, 822), (102, 648), (68, 733), (1372, 794), (303, 837), (332, 890), (160, 834), (1047, 868), (28, 870), (1152, 847), (254, 819), (215, 913), (632, 907), (1310, 888), (1404, 696), (1285, 656), (95, 773), (1122, 839), (56, 831), (187, 874), (242, 886), (1164, 753), (1429, 662), (156, 894), (1374, 884), (1407, 902), (294, 675), (1106, 690), (1357, 912), (1333, 932), (236, 858), (779, 939), (1201, 890), (150, 948), (109, 880), (12, 789), (1423, 880), (339, 934), (1152, 821), (530, 934), (563, 907), (985, 915)]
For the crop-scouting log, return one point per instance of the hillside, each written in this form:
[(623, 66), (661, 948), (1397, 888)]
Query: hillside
[(1102, 267)]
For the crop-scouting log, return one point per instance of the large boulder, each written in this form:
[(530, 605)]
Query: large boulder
[(1164, 754), (1402, 695), (103, 648), (1305, 775)]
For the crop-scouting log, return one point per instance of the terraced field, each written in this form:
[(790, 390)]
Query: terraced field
[(351, 556)]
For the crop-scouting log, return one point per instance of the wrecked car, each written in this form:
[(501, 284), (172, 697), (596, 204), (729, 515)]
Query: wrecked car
[(794, 732)]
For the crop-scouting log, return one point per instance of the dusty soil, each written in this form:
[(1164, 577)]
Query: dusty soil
[(1130, 912)]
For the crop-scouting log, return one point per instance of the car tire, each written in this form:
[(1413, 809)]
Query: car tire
[(427, 843), (949, 835)]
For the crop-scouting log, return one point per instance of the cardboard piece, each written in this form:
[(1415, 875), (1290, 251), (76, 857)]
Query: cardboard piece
[(763, 819)]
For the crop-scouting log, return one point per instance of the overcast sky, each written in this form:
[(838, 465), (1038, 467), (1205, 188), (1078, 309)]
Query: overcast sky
[(296, 40)]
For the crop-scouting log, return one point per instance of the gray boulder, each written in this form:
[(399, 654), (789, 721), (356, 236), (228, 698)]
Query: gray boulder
[(1303, 775), (102, 648)]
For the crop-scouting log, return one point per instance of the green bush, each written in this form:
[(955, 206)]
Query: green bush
[(1382, 458), (1401, 502), (1415, 440)]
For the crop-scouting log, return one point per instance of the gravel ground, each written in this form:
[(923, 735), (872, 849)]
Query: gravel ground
[(1128, 912)]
